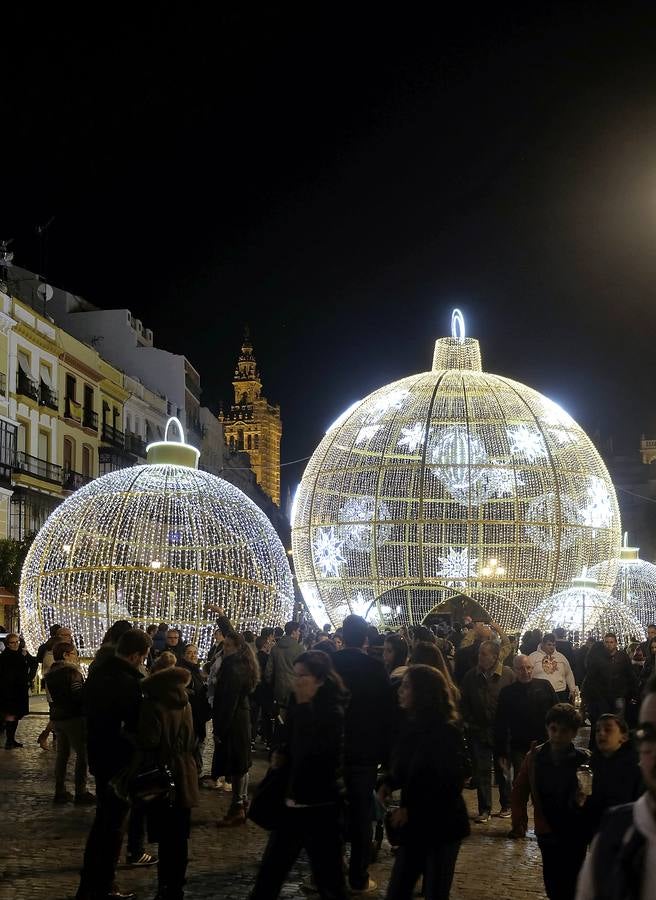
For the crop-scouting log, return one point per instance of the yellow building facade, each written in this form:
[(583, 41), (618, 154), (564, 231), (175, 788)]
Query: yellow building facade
[(253, 425)]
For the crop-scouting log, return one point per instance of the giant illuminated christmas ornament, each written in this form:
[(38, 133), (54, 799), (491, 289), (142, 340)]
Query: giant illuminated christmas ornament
[(584, 611), (161, 542), (451, 482), (635, 583)]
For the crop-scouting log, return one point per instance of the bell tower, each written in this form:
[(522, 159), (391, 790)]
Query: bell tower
[(252, 424)]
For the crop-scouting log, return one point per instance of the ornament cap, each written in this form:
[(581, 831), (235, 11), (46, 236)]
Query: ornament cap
[(173, 453), (456, 353)]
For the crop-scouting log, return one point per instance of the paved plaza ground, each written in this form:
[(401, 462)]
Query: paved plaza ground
[(41, 844)]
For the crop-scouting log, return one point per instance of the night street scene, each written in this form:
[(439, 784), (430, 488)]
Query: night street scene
[(328, 452)]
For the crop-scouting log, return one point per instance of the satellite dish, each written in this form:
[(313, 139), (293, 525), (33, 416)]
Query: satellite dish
[(45, 292)]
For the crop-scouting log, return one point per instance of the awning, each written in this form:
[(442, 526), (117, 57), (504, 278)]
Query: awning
[(24, 363), (7, 598), (46, 377)]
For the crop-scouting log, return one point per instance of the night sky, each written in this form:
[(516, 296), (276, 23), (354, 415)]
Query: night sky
[(339, 180)]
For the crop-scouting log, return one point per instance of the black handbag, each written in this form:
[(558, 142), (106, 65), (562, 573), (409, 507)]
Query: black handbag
[(152, 783), (268, 803)]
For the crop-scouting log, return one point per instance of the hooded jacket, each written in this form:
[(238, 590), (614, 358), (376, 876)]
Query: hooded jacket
[(166, 729), (231, 714), (280, 667), (66, 686)]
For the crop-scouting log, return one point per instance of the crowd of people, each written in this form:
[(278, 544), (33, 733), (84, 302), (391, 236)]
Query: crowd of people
[(363, 731)]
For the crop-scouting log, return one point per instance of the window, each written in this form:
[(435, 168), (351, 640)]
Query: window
[(69, 454), (257, 442), (249, 440), (8, 433), (232, 442), (88, 397), (87, 467), (240, 440), (44, 445), (70, 387)]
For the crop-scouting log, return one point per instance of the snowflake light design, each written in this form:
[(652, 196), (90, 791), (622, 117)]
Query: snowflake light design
[(599, 510), (546, 514), (502, 482), (457, 566), (526, 442), (412, 437), (386, 402), (359, 512), (328, 553), (366, 433)]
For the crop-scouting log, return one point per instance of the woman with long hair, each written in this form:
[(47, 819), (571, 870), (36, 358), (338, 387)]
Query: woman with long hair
[(311, 760), (429, 767), (395, 657), (231, 719), (16, 672), (425, 654)]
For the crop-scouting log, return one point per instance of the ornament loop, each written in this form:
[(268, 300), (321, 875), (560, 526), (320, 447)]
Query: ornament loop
[(458, 326), (178, 424)]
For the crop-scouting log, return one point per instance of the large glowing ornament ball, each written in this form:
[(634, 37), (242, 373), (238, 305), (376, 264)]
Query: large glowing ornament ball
[(584, 611), (155, 543), (451, 482), (635, 583)]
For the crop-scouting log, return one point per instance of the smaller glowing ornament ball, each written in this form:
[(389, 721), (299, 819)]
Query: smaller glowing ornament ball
[(155, 543), (635, 584)]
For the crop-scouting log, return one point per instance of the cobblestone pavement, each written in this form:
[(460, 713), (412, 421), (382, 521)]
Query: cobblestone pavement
[(41, 844)]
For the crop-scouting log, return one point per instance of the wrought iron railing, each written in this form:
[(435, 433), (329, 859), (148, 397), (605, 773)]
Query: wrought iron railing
[(48, 397), (26, 386), (40, 468)]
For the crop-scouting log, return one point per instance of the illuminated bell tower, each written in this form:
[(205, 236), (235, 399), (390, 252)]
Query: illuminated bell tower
[(253, 425)]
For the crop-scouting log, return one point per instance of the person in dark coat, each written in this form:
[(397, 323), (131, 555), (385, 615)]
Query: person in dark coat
[(231, 719), (201, 711), (549, 776), (113, 703), (65, 683), (429, 766), (480, 696), (616, 769), (166, 731), (610, 684), (17, 669), (311, 759), (649, 667), (366, 734)]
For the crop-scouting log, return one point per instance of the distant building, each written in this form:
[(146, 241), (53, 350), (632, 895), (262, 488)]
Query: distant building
[(253, 425)]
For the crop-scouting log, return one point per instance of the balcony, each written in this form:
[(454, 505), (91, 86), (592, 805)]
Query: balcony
[(112, 435), (39, 468), (26, 386), (48, 397), (90, 418), (192, 386), (135, 444), (74, 480)]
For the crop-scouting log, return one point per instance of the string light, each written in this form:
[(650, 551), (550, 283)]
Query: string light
[(635, 583), (160, 542), (417, 484)]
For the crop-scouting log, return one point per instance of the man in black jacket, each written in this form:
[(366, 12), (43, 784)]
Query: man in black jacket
[(113, 701), (610, 683), (520, 720), (366, 730), (565, 647)]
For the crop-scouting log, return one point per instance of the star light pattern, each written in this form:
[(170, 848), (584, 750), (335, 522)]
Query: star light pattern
[(154, 543), (463, 460), (328, 551), (457, 566), (412, 437), (359, 512), (583, 612), (526, 442)]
